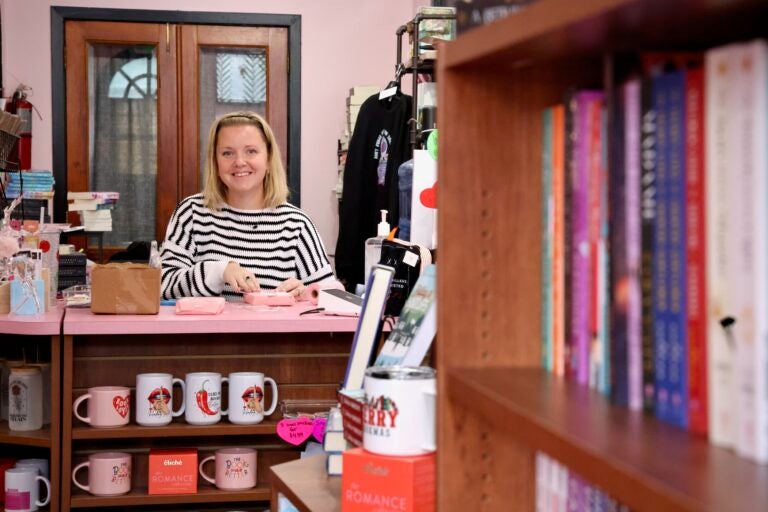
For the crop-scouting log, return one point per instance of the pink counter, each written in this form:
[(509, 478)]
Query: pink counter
[(236, 318), (47, 324)]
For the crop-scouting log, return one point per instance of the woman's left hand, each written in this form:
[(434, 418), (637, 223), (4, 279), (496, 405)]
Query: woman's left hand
[(292, 286)]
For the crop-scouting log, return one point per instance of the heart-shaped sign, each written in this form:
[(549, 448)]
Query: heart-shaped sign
[(122, 404), (295, 431), (319, 429), (428, 196)]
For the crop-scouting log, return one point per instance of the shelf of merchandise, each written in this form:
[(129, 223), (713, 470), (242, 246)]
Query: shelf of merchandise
[(493, 413), (177, 428), (139, 497)]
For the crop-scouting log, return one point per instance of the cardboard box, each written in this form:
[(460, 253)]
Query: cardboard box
[(173, 471), (125, 289), (381, 482)]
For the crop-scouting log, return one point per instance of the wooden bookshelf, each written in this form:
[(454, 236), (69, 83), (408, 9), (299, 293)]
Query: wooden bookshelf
[(178, 428), (40, 438), (140, 497), (493, 83)]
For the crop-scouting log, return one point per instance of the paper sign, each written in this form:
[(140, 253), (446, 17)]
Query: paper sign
[(319, 429), (295, 431)]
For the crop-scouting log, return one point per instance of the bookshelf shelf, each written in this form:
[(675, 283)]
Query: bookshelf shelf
[(494, 414), (175, 429), (40, 438), (611, 446), (140, 497)]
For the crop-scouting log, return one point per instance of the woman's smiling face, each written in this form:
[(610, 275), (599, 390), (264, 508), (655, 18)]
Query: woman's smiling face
[(241, 157)]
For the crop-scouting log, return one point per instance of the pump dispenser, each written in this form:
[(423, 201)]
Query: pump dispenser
[(373, 245)]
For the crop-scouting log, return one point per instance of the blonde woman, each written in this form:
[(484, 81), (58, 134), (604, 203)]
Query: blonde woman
[(240, 234)]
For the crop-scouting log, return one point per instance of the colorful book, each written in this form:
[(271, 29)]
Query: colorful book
[(547, 235), (749, 172), (677, 317), (721, 145), (648, 212), (415, 329), (696, 257), (558, 239)]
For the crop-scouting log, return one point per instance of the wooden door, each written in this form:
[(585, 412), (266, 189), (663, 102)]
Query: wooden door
[(140, 98)]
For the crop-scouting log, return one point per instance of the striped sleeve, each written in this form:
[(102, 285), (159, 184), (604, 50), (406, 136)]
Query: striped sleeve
[(182, 276), (312, 265)]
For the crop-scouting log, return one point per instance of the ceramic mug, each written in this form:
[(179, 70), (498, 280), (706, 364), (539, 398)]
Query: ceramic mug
[(108, 406), (235, 468), (399, 410), (246, 397), (203, 397), (154, 398), (22, 490), (109, 473)]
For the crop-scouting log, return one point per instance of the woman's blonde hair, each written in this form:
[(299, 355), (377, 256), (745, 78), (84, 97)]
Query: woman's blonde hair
[(275, 182)]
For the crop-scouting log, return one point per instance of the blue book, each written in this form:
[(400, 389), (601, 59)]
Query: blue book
[(676, 411), (670, 319), (547, 233)]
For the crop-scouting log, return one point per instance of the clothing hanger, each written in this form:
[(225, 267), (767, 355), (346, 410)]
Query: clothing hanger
[(393, 87)]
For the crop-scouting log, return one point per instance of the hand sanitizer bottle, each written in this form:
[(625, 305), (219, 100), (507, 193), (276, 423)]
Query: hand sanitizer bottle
[(373, 246)]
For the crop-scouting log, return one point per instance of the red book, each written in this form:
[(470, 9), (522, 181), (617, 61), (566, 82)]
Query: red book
[(384, 483), (696, 250)]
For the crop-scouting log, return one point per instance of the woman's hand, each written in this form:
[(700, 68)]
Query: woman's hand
[(240, 279), (292, 286)]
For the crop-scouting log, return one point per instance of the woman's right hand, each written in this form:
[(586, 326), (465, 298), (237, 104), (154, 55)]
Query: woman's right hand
[(240, 279)]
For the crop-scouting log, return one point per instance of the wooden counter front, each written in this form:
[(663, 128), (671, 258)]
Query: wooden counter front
[(306, 355)]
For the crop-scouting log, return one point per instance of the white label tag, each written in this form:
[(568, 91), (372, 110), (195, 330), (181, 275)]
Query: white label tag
[(410, 259), (386, 93)]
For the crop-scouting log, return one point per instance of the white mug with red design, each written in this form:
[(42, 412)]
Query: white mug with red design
[(399, 410), (246, 397), (154, 398), (108, 406), (203, 398)]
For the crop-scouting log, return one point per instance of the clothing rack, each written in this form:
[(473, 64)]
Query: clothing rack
[(415, 66)]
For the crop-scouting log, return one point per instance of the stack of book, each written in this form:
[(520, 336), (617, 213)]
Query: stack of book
[(357, 95), (37, 187), (95, 208), (334, 443), (71, 270)]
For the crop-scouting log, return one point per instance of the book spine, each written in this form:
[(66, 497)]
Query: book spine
[(547, 233), (696, 257), (604, 293), (558, 242), (677, 321), (719, 66), (751, 257), (661, 251), (594, 199), (619, 260), (580, 249), (648, 207), (632, 185)]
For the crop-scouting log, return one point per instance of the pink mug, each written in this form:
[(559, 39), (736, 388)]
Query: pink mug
[(109, 474), (108, 406), (235, 468)]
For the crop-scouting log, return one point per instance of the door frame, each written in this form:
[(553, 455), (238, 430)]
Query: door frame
[(60, 15)]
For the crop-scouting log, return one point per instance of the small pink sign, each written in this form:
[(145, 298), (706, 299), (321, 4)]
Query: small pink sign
[(319, 429), (295, 431)]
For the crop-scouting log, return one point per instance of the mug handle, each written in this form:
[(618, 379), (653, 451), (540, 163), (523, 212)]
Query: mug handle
[(47, 493), (183, 397), (202, 473), (222, 410), (271, 382), (430, 395), (79, 400), (86, 488)]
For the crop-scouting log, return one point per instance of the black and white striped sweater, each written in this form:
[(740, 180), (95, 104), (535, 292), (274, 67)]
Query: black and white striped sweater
[(275, 244)]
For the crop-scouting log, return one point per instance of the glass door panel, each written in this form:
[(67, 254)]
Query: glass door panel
[(122, 140), (231, 79)]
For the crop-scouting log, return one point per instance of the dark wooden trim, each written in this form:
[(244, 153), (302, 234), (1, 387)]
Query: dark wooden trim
[(59, 15)]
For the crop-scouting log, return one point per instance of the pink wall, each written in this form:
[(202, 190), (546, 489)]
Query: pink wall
[(344, 43)]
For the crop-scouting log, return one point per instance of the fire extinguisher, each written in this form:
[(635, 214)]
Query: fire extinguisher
[(23, 108)]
